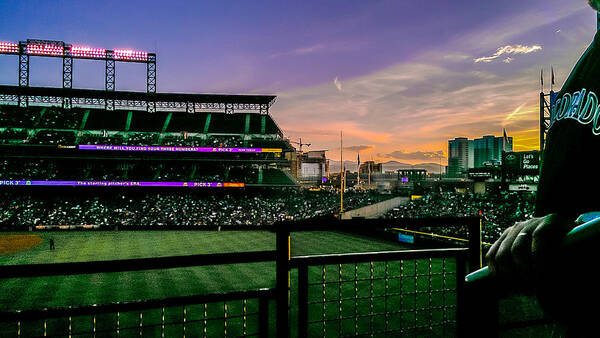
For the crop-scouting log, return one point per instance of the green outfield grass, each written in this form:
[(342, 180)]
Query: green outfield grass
[(28, 293)]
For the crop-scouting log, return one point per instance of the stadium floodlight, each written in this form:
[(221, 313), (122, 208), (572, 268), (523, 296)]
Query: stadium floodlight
[(88, 52), (9, 47), (128, 54), (45, 49)]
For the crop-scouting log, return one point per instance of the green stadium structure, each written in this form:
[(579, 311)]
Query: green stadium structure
[(190, 139)]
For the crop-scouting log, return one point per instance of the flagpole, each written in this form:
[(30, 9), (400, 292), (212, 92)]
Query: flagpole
[(341, 174), (358, 170), (370, 166)]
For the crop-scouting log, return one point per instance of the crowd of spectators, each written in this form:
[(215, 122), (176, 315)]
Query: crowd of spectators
[(9, 136), (188, 209), (179, 209), (69, 137), (224, 141), (53, 137), (48, 169), (499, 211)]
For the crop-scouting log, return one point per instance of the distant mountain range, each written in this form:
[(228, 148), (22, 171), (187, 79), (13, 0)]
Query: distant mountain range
[(433, 168)]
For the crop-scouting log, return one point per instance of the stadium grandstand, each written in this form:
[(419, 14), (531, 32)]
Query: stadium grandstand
[(49, 150), (119, 160), (101, 158), (65, 141), (48, 145)]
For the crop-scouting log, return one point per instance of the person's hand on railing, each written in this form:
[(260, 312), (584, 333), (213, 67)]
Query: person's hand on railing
[(522, 258), (556, 257)]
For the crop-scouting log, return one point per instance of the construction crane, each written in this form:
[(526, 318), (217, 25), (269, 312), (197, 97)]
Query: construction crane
[(300, 144)]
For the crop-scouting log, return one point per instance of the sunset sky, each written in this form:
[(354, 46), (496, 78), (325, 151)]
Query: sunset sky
[(399, 78)]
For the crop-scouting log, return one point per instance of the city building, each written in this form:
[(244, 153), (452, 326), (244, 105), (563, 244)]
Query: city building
[(460, 156), (464, 154), (370, 167), (411, 175), (488, 150), (314, 167)]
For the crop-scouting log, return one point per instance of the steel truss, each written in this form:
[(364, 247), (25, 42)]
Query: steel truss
[(546, 102), (67, 77), (23, 71), (84, 98), (151, 80), (109, 79)]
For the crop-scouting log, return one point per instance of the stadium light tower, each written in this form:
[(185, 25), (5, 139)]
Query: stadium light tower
[(60, 49)]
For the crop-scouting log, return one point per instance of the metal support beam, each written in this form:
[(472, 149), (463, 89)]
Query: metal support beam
[(264, 109), (67, 77), (542, 126), (23, 72), (229, 108), (109, 79), (282, 276), (151, 75), (151, 80), (136, 100), (109, 83), (67, 72), (23, 66), (545, 116)]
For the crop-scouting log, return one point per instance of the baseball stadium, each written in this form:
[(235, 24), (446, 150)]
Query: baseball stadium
[(146, 213)]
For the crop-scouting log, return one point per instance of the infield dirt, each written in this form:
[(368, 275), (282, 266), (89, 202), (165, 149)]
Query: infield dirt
[(15, 243)]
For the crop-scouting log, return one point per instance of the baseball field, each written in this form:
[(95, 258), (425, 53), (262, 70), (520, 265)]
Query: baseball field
[(344, 299)]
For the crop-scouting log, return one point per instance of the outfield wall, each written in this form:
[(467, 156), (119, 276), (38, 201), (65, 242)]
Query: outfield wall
[(375, 210)]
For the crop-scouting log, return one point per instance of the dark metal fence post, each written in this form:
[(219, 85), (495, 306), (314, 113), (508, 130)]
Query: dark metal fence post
[(461, 315), (475, 256), (480, 305), (303, 300), (480, 308), (263, 317), (282, 292)]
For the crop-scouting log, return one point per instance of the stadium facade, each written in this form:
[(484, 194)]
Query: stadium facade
[(65, 138)]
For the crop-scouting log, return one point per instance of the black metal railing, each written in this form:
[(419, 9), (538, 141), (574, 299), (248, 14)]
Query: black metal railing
[(413, 292), (238, 313), (242, 313), (452, 313), (391, 292)]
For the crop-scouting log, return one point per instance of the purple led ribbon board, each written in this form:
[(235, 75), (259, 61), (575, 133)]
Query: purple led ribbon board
[(182, 149), (122, 184)]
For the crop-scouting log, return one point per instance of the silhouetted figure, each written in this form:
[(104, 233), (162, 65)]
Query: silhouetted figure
[(51, 243), (529, 254)]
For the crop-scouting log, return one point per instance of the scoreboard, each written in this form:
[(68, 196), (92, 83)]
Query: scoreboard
[(522, 162)]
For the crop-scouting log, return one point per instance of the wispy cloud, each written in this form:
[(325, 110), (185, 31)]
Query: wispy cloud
[(359, 148), (509, 50), (322, 47), (337, 84), (507, 29), (301, 50), (455, 57), (415, 156)]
